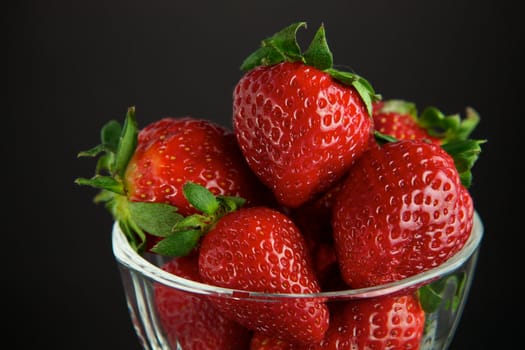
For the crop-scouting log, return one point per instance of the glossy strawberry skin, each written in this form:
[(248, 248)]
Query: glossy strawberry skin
[(401, 127), (260, 249), (260, 341), (298, 128), (380, 323), (172, 151), (401, 211), (191, 320), (388, 322)]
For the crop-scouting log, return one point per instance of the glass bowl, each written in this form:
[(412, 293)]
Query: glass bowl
[(447, 287)]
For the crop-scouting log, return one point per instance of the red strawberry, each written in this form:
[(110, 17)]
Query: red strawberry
[(381, 323), (391, 322), (172, 151), (141, 174), (402, 210), (260, 249), (300, 123), (399, 119), (260, 341), (190, 321)]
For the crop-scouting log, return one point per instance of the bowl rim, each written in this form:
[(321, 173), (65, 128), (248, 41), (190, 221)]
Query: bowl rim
[(130, 259)]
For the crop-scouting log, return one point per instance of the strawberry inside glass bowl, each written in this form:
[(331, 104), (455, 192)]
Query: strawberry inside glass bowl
[(419, 312)]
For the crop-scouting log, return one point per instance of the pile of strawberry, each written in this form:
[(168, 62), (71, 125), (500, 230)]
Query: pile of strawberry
[(321, 186)]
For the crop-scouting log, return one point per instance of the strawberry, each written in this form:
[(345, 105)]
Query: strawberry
[(172, 151), (260, 249), (141, 174), (402, 210), (190, 321), (300, 122), (260, 341), (399, 119), (381, 323), (388, 322)]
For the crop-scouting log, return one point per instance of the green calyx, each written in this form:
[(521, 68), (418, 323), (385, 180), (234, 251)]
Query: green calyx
[(186, 232), (178, 234), (465, 153), (283, 47), (453, 133), (447, 128), (117, 146), (446, 292), (398, 107)]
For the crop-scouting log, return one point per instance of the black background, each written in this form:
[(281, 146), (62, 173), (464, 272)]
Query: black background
[(72, 66)]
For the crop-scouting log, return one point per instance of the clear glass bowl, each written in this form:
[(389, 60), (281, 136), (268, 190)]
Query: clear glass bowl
[(140, 275)]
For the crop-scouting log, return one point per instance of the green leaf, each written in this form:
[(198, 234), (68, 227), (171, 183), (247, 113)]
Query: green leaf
[(399, 107), (201, 198), (383, 138), (104, 196), (467, 125), (127, 143), (265, 56), (318, 53), (436, 123), (158, 219), (93, 152), (109, 135), (195, 221), (362, 86), (102, 182), (105, 163), (280, 47), (131, 235), (465, 153), (178, 244), (447, 290), (231, 203), (365, 94), (285, 41), (448, 128), (429, 299)]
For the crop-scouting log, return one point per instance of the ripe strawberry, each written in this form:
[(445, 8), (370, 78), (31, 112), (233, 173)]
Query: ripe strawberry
[(260, 249), (300, 122), (141, 174), (388, 322), (402, 210), (173, 151), (190, 321), (381, 323), (260, 341), (399, 119)]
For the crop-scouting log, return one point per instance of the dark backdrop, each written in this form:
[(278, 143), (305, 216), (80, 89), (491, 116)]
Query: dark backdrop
[(72, 66)]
